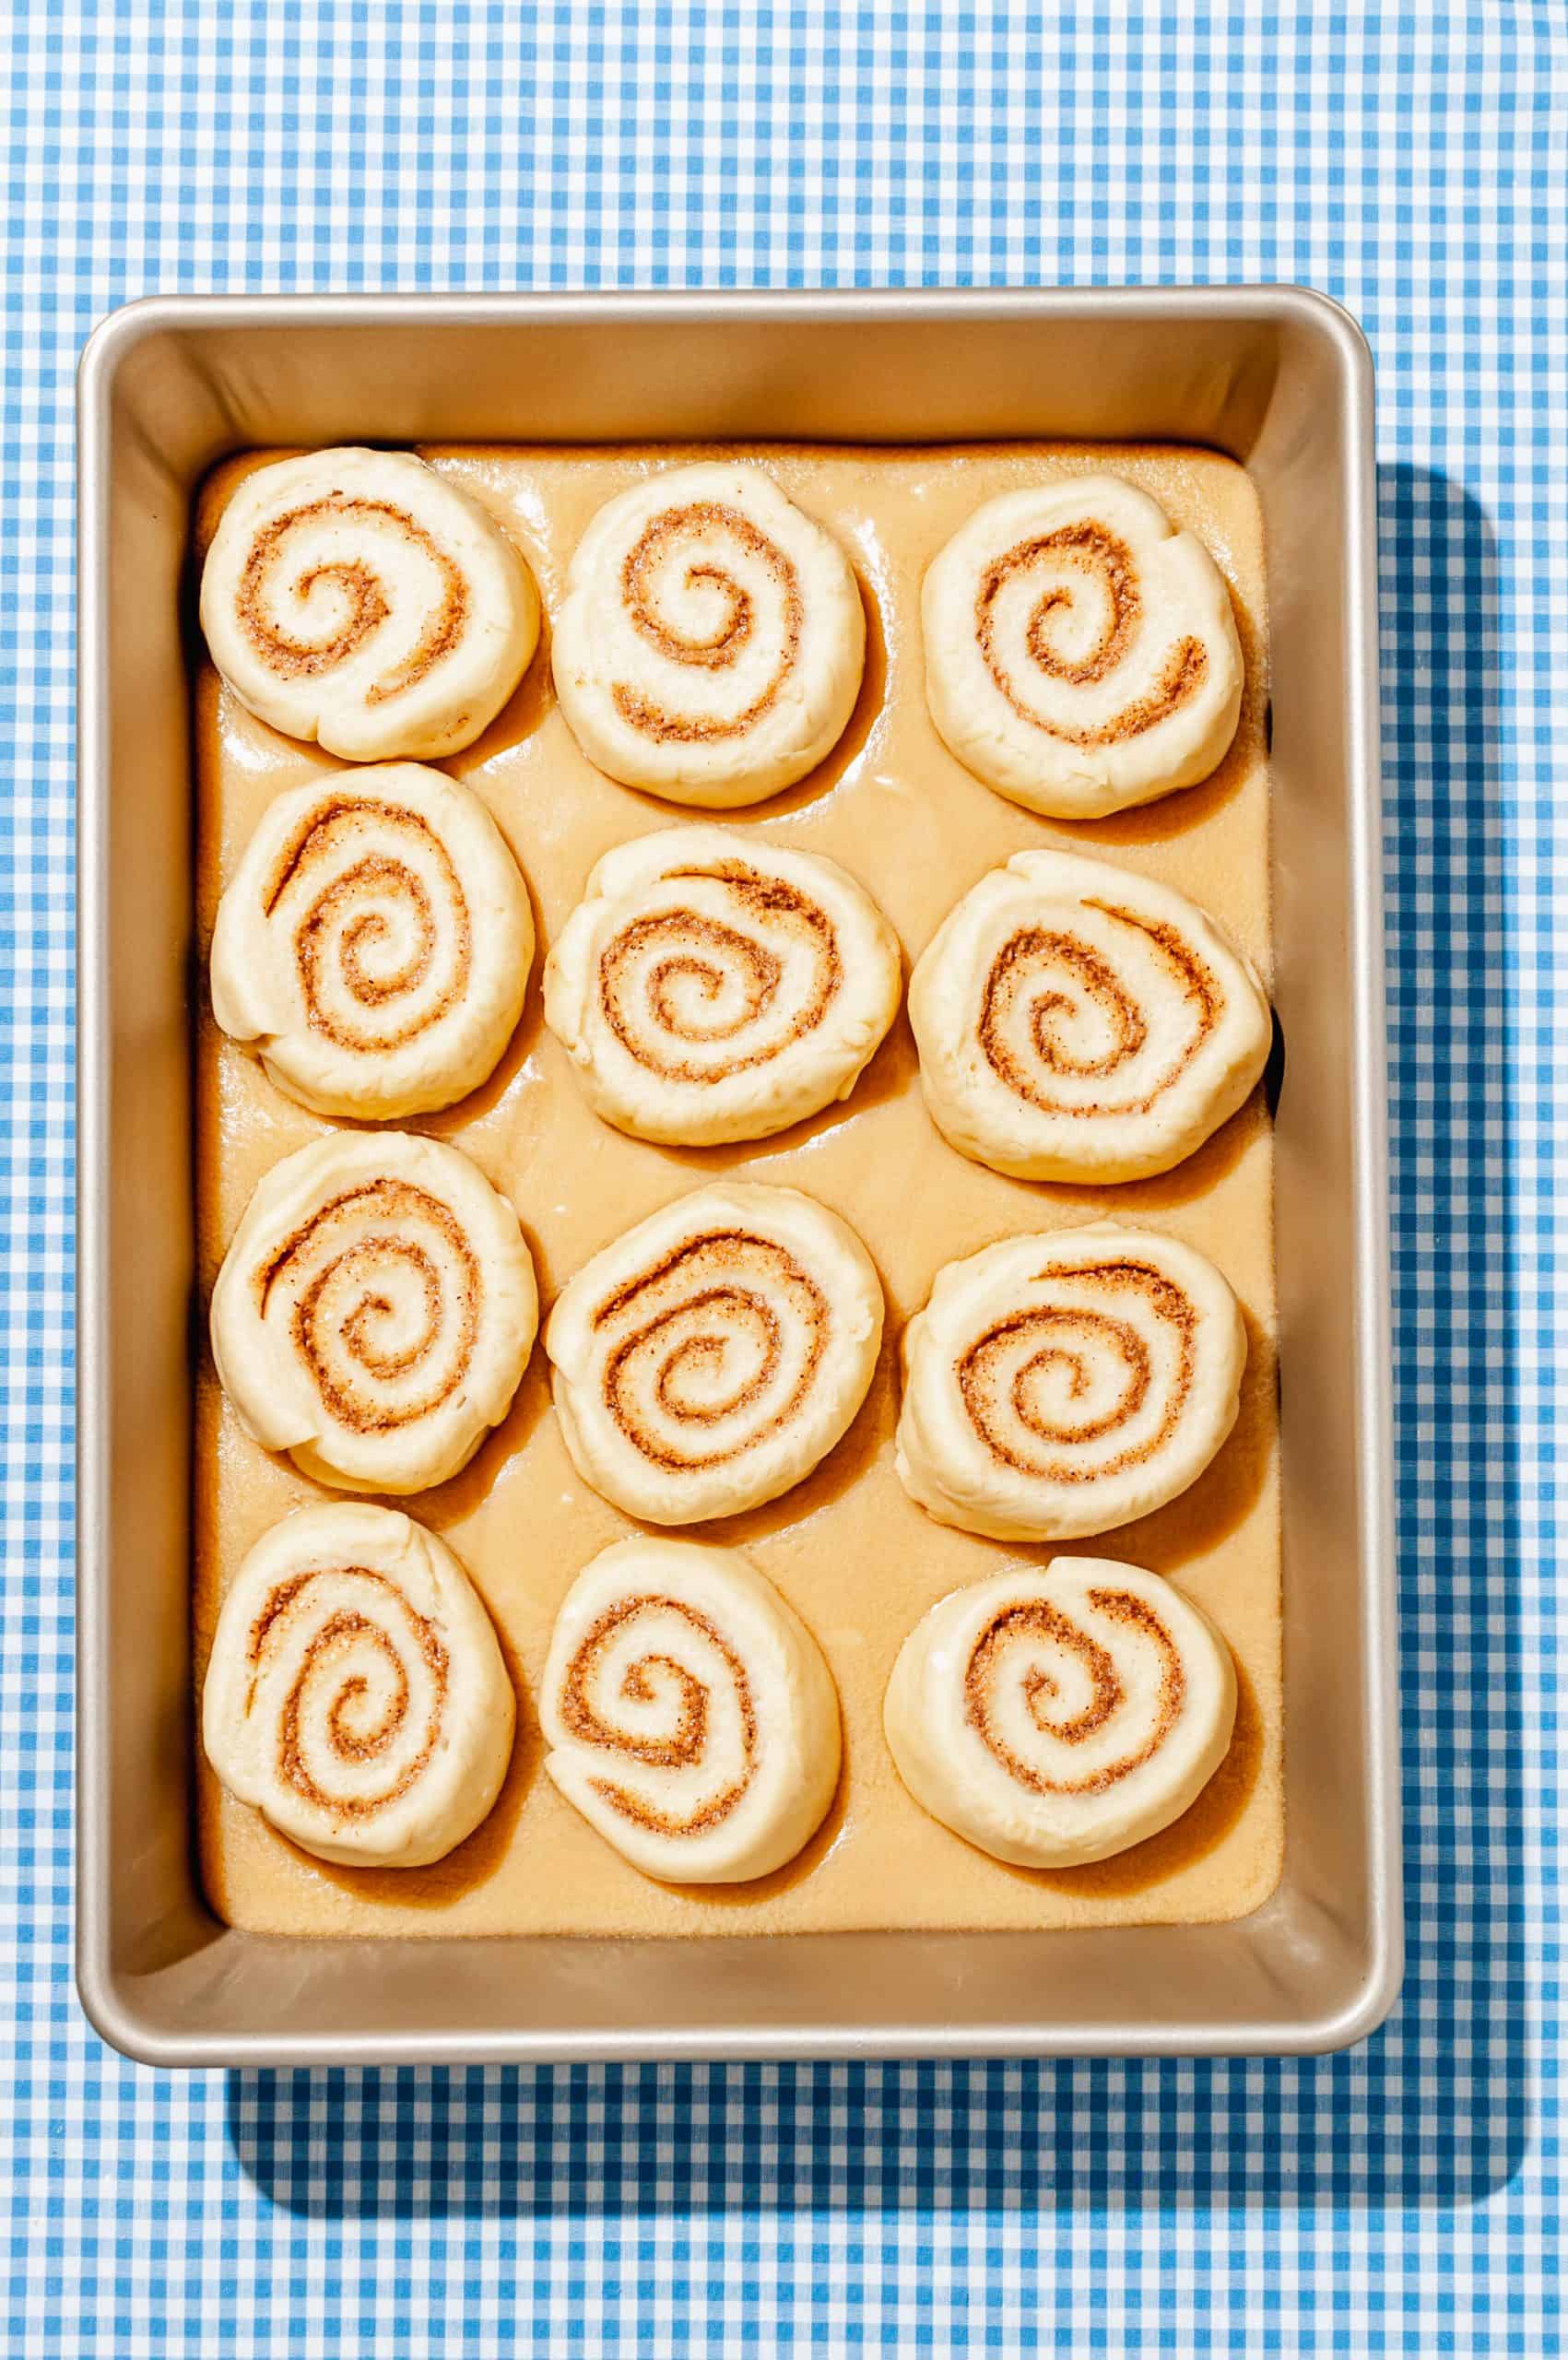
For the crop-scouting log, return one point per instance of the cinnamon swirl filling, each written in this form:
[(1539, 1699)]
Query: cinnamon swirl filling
[(657, 549), (667, 1692), (698, 1000), (1082, 558), (1027, 1635), (377, 961), (349, 1693), (1022, 1380), (1043, 985), (347, 594), (383, 1287), (717, 1350)]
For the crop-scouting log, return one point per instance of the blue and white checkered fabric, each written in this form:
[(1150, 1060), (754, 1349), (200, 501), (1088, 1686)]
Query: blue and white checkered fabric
[(1411, 160)]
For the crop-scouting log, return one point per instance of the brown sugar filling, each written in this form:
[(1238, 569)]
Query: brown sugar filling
[(328, 928), (343, 1633), (1038, 1620), (1066, 1336), (690, 1312), (1015, 973), (702, 954), (368, 605), (722, 645), (686, 1744), (365, 1220), (1097, 553)]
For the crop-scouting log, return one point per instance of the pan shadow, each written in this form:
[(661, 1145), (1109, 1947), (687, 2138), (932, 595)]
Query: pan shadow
[(887, 1075), (745, 1897), (1176, 814), (523, 713), (458, 1497), (1203, 1825), (1041, 2142), (477, 1857)]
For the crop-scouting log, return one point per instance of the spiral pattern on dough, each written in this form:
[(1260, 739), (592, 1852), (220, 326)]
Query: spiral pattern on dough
[(361, 599), (374, 1311), (710, 988), (1063, 1385), (710, 644), (1018, 1647), (656, 1632), (1057, 1717), (1081, 655), (1086, 560), (374, 944), (355, 1692), (690, 1716), (678, 545), (707, 1359), (1078, 1021)]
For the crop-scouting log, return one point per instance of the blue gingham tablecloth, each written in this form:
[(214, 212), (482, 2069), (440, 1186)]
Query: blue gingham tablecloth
[(1400, 2199)]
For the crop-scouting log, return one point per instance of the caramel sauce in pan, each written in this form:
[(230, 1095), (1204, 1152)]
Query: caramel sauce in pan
[(858, 1561)]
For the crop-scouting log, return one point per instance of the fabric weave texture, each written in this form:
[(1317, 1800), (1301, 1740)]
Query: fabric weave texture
[(1412, 162)]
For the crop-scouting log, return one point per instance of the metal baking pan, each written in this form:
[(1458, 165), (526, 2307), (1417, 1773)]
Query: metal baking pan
[(1279, 379)]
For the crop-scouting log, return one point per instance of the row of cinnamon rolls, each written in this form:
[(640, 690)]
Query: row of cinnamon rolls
[(377, 1307), (357, 1695), (1073, 1020), (1081, 655)]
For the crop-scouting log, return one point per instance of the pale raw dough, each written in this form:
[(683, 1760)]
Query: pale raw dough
[(708, 1359), (374, 1311), (1058, 1714), (711, 642), (358, 599), (1080, 653), (373, 945), (689, 1715), (1065, 1384), (711, 987), (355, 1693), (1079, 1022)]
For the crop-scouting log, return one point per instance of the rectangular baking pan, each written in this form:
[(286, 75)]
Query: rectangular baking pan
[(1278, 378)]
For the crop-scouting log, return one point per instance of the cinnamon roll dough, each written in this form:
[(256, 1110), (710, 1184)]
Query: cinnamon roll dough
[(374, 1311), (853, 1554), (1065, 1384), (689, 1712), (1058, 1714), (710, 1358), (1076, 1021), (712, 641), (1080, 653), (355, 1692), (373, 945), (360, 599), (709, 986)]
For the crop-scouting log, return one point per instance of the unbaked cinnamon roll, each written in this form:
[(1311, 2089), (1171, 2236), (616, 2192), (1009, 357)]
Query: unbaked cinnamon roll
[(1064, 1383), (1080, 653), (361, 599), (356, 1693), (712, 641), (689, 1712), (372, 948), (709, 986), (375, 1311), (708, 1360), (1056, 1715), (1081, 1022)]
